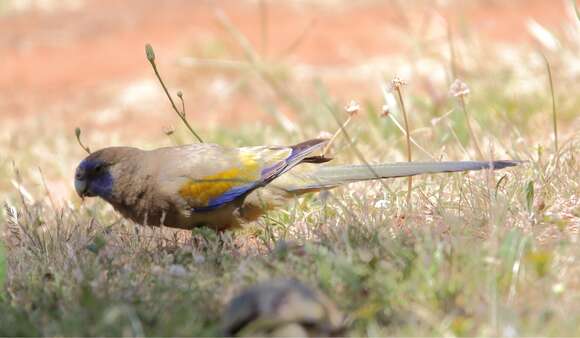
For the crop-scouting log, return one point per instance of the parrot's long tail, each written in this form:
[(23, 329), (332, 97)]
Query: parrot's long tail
[(331, 176)]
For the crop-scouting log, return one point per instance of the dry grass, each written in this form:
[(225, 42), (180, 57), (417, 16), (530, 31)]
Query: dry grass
[(479, 254)]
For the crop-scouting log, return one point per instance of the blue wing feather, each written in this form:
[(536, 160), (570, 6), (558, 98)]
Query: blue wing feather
[(299, 152), (228, 196)]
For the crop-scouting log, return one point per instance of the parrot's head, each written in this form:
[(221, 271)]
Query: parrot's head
[(96, 174)]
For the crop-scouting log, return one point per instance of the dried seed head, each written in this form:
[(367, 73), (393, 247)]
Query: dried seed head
[(352, 108), (168, 130), (386, 110), (458, 88), (397, 83)]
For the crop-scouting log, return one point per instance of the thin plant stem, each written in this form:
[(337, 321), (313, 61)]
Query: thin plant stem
[(151, 57), (408, 137), (454, 134), (494, 247), (357, 152), (554, 111), (335, 135), (78, 135), (469, 127), (402, 129)]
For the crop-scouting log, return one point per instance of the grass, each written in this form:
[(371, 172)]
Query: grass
[(479, 254)]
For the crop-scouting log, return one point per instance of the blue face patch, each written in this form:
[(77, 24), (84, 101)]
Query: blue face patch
[(97, 178)]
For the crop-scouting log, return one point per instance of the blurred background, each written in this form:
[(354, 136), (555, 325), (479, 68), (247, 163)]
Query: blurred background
[(83, 62)]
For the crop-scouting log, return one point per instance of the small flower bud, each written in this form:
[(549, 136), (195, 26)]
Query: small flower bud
[(150, 53), (78, 135)]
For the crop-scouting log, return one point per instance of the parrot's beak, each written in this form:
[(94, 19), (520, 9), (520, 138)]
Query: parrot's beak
[(81, 183), (81, 188)]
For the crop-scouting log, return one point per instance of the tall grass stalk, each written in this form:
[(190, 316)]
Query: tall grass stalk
[(554, 111), (397, 85), (352, 109), (469, 126), (460, 90)]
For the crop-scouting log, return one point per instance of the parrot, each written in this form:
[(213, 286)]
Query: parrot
[(222, 187)]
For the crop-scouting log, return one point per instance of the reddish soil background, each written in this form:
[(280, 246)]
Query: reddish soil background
[(66, 64)]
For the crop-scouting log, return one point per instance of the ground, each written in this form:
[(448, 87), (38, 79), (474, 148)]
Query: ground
[(473, 254)]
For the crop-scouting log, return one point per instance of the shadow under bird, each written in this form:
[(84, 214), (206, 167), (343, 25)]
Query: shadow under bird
[(221, 187)]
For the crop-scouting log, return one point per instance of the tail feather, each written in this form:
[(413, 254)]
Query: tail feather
[(331, 176)]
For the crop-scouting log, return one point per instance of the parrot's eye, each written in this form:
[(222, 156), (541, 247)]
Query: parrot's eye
[(99, 168)]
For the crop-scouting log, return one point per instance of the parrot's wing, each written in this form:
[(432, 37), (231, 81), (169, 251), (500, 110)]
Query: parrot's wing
[(246, 169)]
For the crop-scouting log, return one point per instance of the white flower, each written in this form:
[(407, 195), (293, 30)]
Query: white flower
[(352, 107), (458, 88)]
